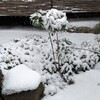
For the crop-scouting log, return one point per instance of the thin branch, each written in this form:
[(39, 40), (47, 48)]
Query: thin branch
[(57, 42), (52, 49), (83, 49)]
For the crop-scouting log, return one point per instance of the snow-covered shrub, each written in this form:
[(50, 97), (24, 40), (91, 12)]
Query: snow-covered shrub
[(35, 52), (56, 20), (94, 47), (37, 18), (73, 60), (52, 20)]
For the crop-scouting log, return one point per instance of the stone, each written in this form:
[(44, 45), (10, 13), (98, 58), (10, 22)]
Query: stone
[(24, 95), (27, 95), (1, 79)]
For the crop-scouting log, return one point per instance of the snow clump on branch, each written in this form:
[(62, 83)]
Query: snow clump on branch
[(56, 21), (52, 20)]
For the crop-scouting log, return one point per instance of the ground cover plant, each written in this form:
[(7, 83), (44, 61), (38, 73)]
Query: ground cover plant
[(35, 52)]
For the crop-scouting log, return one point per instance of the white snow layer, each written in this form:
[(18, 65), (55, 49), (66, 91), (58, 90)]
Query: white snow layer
[(6, 35), (34, 51), (34, 47), (97, 66), (55, 20), (86, 87), (90, 23), (20, 78)]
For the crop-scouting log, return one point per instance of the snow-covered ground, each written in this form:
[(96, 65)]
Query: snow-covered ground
[(7, 35), (85, 23), (87, 85)]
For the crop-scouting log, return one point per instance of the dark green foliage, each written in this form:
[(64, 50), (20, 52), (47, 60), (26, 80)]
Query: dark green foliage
[(70, 82), (37, 19)]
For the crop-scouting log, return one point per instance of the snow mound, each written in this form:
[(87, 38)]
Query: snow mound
[(20, 78)]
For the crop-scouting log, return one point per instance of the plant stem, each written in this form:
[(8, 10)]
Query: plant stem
[(52, 48), (58, 51)]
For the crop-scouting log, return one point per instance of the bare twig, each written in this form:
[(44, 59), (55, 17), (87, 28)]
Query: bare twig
[(83, 49), (57, 42), (52, 48)]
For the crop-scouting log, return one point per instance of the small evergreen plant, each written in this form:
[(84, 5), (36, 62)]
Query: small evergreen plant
[(53, 21)]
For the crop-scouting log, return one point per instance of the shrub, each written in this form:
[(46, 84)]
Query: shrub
[(37, 19), (56, 20), (36, 53), (59, 68)]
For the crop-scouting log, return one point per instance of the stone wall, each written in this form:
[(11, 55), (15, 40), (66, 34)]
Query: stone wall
[(78, 5), (22, 8)]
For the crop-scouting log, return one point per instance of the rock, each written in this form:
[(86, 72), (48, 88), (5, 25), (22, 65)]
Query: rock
[(27, 95), (20, 78), (1, 79), (82, 30), (22, 83), (96, 29)]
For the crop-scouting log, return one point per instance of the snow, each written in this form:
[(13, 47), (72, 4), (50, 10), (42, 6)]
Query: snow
[(51, 20), (90, 23), (81, 37), (20, 78), (9, 34), (55, 20), (97, 66), (86, 87), (33, 49)]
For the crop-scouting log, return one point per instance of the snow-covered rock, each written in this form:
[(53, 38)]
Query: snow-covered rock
[(83, 23), (20, 78)]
